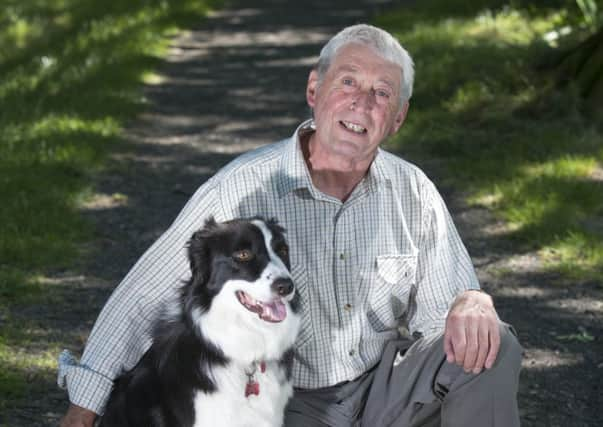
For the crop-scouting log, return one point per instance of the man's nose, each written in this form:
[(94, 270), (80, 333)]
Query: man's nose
[(283, 286), (364, 99)]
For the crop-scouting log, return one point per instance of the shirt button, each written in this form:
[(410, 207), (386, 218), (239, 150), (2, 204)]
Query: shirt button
[(348, 307), (352, 352), (342, 256)]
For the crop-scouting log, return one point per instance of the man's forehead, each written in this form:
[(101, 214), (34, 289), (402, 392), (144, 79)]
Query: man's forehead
[(352, 58)]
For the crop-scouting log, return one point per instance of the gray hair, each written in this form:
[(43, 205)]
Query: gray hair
[(382, 42)]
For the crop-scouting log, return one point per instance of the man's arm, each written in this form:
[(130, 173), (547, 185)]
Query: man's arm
[(78, 417), (122, 332), (448, 295)]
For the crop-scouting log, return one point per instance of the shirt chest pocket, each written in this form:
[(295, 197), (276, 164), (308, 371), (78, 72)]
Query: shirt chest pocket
[(389, 284)]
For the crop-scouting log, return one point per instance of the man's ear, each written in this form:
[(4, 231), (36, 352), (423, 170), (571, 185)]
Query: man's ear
[(311, 88), (400, 118)]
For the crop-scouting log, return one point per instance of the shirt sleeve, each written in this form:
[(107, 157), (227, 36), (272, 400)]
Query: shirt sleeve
[(444, 268), (122, 332)]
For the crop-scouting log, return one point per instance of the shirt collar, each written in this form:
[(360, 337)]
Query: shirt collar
[(295, 171)]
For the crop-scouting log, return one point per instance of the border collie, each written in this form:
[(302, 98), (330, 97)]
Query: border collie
[(221, 356)]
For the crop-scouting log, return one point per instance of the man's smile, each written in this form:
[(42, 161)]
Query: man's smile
[(353, 127)]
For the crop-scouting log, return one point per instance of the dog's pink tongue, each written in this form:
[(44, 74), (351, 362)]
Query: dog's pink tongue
[(274, 311)]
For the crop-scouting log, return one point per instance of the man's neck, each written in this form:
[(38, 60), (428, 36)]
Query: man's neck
[(334, 176)]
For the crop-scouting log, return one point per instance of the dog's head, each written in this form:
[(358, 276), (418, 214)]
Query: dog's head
[(240, 273)]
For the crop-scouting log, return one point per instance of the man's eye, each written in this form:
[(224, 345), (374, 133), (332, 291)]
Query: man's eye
[(243, 255), (382, 93), (347, 82)]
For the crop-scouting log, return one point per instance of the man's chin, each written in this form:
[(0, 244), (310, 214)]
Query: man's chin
[(350, 156)]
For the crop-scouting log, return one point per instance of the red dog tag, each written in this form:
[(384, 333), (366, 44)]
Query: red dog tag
[(252, 387)]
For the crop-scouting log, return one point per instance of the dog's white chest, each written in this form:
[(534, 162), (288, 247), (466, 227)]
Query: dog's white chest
[(229, 407)]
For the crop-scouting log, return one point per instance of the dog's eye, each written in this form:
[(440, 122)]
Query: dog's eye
[(243, 255)]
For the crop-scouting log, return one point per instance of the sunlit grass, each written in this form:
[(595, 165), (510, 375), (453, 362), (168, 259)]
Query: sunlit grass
[(577, 255), (26, 354), (71, 75), (25, 366), (151, 78), (503, 134)]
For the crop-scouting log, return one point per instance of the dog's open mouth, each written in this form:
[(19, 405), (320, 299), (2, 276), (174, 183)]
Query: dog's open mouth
[(274, 311)]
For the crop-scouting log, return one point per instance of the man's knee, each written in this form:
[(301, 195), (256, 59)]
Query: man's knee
[(490, 395), (510, 351), (503, 376)]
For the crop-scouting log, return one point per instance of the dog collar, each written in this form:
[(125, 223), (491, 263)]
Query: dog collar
[(253, 386)]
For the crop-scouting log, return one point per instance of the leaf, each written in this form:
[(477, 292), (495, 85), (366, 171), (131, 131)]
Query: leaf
[(583, 336)]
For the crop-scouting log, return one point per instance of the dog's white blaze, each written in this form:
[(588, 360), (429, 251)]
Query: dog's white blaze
[(276, 267), (230, 408)]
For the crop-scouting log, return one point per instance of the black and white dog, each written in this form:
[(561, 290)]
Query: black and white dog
[(222, 355)]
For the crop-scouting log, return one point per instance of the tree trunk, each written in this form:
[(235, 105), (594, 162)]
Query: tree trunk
[(583, 66)]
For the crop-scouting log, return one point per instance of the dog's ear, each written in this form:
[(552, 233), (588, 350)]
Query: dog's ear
[(272, 221), (274, 225), (198, 251), (210, 224), (198, 257)]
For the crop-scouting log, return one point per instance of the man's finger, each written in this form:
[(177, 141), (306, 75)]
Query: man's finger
[(472, 349), (494, 345), (459, 345), (448, 348), (484, 347)]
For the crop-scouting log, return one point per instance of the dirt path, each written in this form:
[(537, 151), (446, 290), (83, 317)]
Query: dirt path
[(235, 83), (559, 323)]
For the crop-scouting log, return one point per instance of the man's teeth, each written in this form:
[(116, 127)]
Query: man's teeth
[(353, 127)]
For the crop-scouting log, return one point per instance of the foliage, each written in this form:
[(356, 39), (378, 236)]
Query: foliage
[(512, 142), (593, 17)]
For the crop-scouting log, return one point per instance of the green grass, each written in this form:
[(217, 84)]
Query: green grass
[(504, 134), (71, 75)]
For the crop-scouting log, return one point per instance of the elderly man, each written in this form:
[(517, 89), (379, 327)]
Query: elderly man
[(372, 248)]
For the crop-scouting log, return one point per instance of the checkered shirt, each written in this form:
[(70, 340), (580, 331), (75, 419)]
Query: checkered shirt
[(387, 256)]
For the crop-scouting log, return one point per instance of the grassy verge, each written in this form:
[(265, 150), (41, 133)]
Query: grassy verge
[(71, 76), (509, 139)]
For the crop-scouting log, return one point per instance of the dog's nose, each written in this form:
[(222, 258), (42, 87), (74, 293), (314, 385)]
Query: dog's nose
[(282, 286)]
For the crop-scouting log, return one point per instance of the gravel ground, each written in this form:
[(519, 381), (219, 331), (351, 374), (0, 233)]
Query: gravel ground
[(237, 82)]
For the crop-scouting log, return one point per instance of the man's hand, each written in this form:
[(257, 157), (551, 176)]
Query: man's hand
[(472, 334), (77, 416)]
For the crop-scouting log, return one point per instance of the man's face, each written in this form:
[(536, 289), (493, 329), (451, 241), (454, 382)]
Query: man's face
[(357, 104)]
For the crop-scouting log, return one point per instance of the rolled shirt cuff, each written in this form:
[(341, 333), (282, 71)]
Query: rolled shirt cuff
[(86, 388)]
